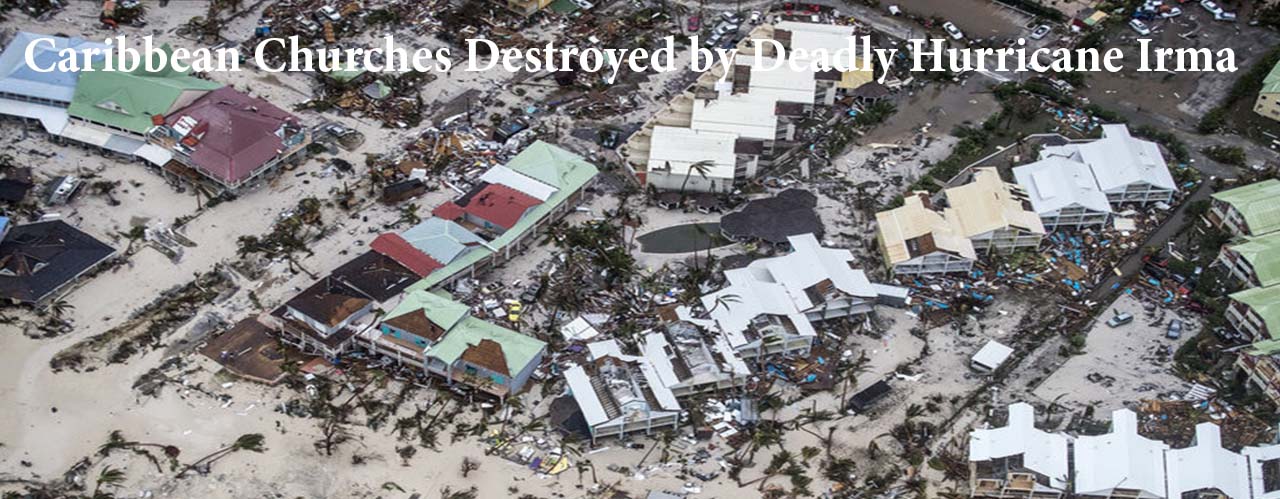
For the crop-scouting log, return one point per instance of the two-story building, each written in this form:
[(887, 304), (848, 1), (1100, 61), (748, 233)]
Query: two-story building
[(1018, 460), (1254, 261), (621, 394), (1255, 312), (1249, 210), (1064, 194), (917, 239), (1126, 169), (993, 214)]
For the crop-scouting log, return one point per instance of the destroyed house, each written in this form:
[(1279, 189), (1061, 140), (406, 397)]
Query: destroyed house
[(493, 208), (769, 305), (375, 276), (1126, 169), (688, 160), (39, 261), (227, 139), (620, 395), (1121, 463), (803, 41), (1018, 459), (687, 363), (556, 178), (440, 335), (916, 239), (1255, 312), (1248, 210), (774, 220), (1064, 194), (993, 214), (325, 317), (1268, 102), (1254, 260)]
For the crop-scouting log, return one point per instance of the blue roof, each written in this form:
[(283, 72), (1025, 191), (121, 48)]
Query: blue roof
[(4, 224), (17, 77), (441, 239)]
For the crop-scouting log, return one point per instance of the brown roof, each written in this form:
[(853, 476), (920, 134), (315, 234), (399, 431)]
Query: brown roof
[(248, 350), (487, 354), (416, 322), (328, 301)]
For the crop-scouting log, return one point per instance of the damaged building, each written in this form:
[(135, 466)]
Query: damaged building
[(917, 239), (1127, 169), (621, 394)]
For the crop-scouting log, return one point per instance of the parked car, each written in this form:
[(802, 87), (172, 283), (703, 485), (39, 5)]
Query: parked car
[(330, 13), (713, 40), (1040, 32), (1175, 329), (1211, 6), (1120, 319), (731, 17), (584, 4), (756, 17), (1225, 16), (694, 24), (894, 10), (1171, 13), (725, 29), (953, 31), (1140, 27)]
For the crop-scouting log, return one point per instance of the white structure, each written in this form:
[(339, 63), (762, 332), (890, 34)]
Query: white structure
[(746, 115), (621, 394), (777, 79), (1014, 451), (1064, 193), (1261, 459), (578, 330), (1121, 463), (769, 305), (1126, 169), (990, 357), (916, 239), (676, 149), (687, 364), (1207, 466), (993, 214)]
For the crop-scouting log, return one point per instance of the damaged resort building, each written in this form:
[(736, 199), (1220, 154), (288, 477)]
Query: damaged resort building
[(194, 130), (1019, 460), (729, 128)]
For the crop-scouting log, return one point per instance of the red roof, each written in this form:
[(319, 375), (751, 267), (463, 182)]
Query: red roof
[(500, 205), (235, 134), (396, 248), (448, 211)]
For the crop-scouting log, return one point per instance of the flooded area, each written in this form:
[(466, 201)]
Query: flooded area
[(940, 107), (683, 238), (976, 18)]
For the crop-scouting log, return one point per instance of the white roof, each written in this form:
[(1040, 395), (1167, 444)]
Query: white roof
[(53, 119), (1118, 160), (585, 395), (1257, 456), (505, 176), (992, 354), (776, 286), (782, 83), (1120, 459), (1207, 465), (812, 36), (745, 115), (1055, 182), (680, 147), (1042, 452), (578, 330)]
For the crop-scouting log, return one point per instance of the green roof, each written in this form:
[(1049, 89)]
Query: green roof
[(344, 75), (1264, 347), (1256, 202), (441, 310), (565, 171), (129, 99), (1265, 302), (518, 349), (564, 6), (1263, 254), (1271, 84)]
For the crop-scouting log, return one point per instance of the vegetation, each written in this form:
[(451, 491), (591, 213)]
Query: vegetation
[(1245, 87), (1229, 155)]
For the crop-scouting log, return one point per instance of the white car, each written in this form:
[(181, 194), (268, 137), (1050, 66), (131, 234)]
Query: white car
[(1171, 13), (1210, 6), (583, 4), (756, 16), (725, 28), (1041, 31), (1140, 27), (894, 10), (330, 13), (953, 31), (1225, 16)]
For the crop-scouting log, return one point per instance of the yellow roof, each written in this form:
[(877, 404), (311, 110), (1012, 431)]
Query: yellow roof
[(854, 79), (989, 203), (901, 227)]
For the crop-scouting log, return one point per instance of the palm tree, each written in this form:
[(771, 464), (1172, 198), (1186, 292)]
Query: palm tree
[(701, 167), (135, 234), (253, 442), (116, 441), (60, 308)]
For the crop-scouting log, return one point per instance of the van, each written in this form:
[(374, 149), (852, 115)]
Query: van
[(1120, 319)]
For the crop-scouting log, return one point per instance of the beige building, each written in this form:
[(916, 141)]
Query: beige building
[(1268, 103), (916, 239), (993, 214)]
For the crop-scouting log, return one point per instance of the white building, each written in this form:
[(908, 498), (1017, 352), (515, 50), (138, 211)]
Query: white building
[(769, 305), (676, 149), (1018, 460), (1064, 193), (687, 364), (1126, 169), (1121, 463), (621, 394), (1207, 467), (916, 239)]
